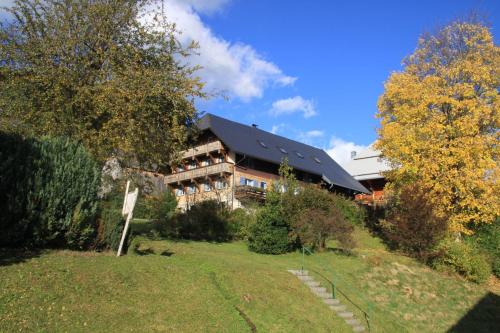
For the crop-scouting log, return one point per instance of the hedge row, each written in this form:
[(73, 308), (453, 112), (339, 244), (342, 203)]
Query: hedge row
[(48, 193)]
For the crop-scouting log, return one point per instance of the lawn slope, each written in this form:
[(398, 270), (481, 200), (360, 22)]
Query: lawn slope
[(204, 287)]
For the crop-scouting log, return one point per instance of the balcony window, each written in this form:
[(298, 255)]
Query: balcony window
[(192, 165), (219, 159), (263, 185), (207, 187), (180, 168), (206, 162), (179, 192)]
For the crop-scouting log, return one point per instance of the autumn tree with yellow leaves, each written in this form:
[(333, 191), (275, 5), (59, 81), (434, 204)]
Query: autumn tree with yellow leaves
[(440, 124)]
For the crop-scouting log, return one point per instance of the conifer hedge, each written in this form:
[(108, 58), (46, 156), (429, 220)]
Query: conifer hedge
[(48, 193)]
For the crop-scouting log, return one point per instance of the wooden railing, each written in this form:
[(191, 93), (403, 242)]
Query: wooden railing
[(199, 172), (202, 149)]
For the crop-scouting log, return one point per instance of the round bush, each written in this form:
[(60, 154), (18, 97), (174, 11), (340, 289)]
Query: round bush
[(269, 234)]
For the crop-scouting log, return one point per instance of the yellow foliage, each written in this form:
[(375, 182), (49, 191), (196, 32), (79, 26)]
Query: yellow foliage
[(440, 123)]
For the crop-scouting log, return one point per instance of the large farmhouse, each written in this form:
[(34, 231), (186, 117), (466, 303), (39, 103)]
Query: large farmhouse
[(231, 161)]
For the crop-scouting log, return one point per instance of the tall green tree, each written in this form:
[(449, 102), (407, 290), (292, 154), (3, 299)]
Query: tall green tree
[(108, 73), (440, 124)]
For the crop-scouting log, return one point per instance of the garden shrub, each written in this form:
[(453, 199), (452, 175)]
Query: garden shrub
[(207, 220), (464, 259), (111, 224), (53, 199), (269, 234), (315, 226), (487, 239), (412, 226), (316, 215), (240, 221)]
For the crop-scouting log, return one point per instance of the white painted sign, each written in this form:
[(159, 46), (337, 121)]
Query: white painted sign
[(128, 208)]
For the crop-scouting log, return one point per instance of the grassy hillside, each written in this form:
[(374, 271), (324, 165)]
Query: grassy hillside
[(195, 286)]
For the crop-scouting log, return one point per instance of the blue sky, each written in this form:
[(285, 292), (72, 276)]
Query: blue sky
[(309, 70), (327, 60)]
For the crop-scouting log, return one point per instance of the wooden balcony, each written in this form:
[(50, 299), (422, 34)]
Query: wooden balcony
[(199, 173), (202, 149), (245, 192)]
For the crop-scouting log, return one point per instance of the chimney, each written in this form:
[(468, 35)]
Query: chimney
[(254, 125), (353, 154)]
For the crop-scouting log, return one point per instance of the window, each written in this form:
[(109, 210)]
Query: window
[(262, 143), (179, 192), (317, 160), (192, 165), (206, 162), (299, 154), (207, 187), (220, 184), (263, 185), (219, 159), (191, 189), (180, 168), (248, 182), (283, 150)]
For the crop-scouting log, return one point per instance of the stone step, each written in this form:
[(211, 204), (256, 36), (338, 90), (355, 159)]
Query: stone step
[(358, 328), (305, 278), (324, 295), (353, 322), (318, 290), (345, 314), (338, 307), (331, 301), (298, 272), (312, 284)]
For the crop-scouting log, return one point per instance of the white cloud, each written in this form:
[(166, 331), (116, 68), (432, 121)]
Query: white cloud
[(340, 150), (235, 69), (292, 105), (277, 128), (206, 6), (312, 137)]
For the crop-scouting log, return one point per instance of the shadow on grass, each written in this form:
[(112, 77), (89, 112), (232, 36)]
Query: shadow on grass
[(16, 256), (482, 318), (339, 251)]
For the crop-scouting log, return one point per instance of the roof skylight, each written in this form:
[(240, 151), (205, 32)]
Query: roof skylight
[(283, 150), (299, 154), (317, 160), (262, 143)]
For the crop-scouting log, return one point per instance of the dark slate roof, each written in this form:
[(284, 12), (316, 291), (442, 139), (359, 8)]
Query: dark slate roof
[(249, 140)]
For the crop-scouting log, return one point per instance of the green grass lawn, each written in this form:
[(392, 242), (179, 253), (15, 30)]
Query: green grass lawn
[(206, 287)]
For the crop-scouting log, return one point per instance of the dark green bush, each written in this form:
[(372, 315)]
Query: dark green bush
[(53, 199), (207, 220), (487, 239), (17, 182), (463, 258), (270, 233), (111, 223)]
